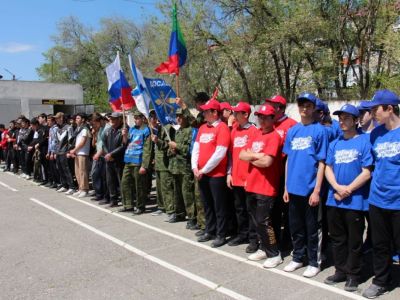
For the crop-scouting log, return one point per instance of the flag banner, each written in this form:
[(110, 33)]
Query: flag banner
[(163, 99), (118, 87), (177, 49), (140, 93)]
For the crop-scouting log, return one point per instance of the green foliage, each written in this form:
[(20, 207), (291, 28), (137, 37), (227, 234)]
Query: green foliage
[(250, 49)]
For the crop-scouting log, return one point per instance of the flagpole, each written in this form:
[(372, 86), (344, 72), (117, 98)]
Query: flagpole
[(177, 85), (123, 117)]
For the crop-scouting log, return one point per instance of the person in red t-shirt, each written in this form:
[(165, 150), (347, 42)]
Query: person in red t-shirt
[(262, 184), (209, 164), (241, 135), (280, 212)]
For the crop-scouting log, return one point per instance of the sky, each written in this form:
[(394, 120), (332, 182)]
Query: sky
[(26, 27)]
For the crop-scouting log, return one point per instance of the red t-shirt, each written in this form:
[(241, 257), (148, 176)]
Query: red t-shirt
[(265, 181), (209, 137), (240, 137), (282, 126)]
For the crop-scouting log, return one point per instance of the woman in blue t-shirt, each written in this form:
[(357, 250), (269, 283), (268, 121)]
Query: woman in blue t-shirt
[(348, 171)]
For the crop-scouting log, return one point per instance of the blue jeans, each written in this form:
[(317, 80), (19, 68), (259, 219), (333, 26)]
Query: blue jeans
[(99, 177)]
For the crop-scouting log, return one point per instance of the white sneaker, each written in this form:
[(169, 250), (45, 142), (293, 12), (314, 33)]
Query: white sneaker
[(92, 193), (28, 177), (311, 271), (76, 193), (70, 192), (259, 255), (22, 175), (273, 262), (292, 266), (62, 190), (82, 194)]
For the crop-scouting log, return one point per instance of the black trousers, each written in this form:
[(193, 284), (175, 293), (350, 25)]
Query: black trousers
[(213, 195), (113, 176), (21, 159), (16, 161), (346, 229), (29, 161), (385, 229), (260, 208), (303, 222), (280, 218), (242, 215), (66, 178)]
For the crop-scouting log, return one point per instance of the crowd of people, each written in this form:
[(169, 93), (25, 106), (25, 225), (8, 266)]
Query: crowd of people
[(279, 185)]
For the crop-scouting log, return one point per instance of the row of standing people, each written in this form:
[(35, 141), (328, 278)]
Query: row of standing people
[(228, 178)]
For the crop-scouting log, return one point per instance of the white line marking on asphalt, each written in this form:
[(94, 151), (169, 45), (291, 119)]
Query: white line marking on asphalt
[(8, 187), (226, 254), (187, 274)]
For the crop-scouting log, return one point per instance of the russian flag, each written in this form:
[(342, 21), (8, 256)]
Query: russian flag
[(177, 49), (118, 87)]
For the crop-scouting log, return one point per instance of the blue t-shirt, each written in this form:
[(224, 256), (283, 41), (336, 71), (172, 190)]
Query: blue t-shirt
[(334, 130), (305, 146), (385, 185), (347, 158)]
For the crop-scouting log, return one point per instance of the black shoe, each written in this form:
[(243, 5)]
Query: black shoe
[(97, 198), (200, 232), (138, 211), (238, 240), (218, 242), (54, 186), (335, 278), (194, 227), (48, 184), (176, 219), (351, 285), (206, 237), (191, 223), (113, 204), (124, 209), (104, 202), (252, 247), (43, 183)]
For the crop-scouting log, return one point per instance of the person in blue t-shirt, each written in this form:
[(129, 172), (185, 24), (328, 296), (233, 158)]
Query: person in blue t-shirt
[(305, 146), (137, 159), (348, 171), (384, 196)]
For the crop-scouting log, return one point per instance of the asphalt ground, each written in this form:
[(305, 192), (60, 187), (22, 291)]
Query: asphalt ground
[(54, 246)]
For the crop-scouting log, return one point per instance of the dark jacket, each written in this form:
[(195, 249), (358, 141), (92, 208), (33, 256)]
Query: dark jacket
[(112, 144)]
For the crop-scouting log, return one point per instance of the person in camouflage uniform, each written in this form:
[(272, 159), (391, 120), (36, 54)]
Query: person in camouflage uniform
[(196, 122), (179, 151), (137, 161), (164, 180)]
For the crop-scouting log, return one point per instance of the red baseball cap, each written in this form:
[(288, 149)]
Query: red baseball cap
[(242, 106), (266, 110), (211, 104), (277, 99), (225, 105)]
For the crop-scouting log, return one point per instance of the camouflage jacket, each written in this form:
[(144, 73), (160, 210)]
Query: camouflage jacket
[(161, 148), (179, 162)]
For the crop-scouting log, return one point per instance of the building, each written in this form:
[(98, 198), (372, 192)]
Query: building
[(31, 98)]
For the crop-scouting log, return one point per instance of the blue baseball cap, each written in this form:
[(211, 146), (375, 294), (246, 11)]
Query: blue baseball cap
[(384, 97), (348, 108), (321, 105), (363, 105), (307, 96)]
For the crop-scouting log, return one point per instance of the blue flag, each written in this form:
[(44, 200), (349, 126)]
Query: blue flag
[(163, 99)]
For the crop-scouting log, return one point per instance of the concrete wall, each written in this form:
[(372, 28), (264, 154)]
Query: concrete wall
[(25, 97)]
